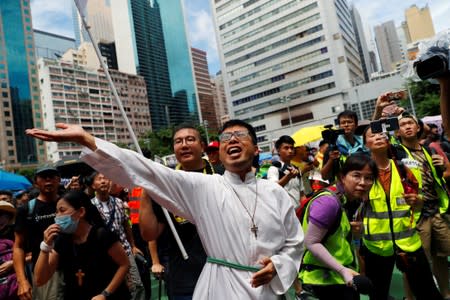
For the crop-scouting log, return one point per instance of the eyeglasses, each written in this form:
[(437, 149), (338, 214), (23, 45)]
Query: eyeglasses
[(189, 140), (358, 177), (239, 134)]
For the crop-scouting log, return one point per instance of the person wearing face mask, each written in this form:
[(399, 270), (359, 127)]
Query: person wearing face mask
[(91, 257), (330, 223)]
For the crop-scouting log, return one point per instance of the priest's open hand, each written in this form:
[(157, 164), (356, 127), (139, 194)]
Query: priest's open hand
[(68, 133), (265, 275)]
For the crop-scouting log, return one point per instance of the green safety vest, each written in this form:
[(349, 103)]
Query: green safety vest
[(379, 213), (439, 183), (338, 245)]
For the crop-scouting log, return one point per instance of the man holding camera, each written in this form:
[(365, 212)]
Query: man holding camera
[(283, 172), (427, 168), (346, 144)]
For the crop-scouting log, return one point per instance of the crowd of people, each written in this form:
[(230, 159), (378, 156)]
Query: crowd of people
[(330, 224)]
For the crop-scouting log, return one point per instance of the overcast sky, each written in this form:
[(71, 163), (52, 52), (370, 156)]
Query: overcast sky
[(56, 16)]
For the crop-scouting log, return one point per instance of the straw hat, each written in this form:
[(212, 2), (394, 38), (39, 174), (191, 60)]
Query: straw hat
[(8, 207)]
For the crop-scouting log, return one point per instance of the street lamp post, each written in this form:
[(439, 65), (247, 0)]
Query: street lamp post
[(358, 101), (286, 100), (205, 124), (411, 102)]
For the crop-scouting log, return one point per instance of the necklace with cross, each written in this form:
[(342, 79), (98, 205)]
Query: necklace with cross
[(253, 228), (79, 276)]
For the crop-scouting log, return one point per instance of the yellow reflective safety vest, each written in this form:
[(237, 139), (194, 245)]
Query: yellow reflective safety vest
[(383, 211), (439, 183), (338, 245)]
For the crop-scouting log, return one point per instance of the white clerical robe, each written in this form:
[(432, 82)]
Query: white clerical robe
[(213, 204)]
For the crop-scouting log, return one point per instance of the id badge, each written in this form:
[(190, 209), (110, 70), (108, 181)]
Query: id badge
[(401, 201)]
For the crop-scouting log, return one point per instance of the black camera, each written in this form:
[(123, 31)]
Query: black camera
[(434, 63), (384, 125), (331, 135)]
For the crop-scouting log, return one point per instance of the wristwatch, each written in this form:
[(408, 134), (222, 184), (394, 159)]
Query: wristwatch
[(106, 294)]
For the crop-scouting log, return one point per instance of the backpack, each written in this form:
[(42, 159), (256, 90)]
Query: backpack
[(31, 205), (301, 210)]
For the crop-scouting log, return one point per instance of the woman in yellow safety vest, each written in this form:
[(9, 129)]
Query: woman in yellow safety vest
[(390, 236), (329, 263)]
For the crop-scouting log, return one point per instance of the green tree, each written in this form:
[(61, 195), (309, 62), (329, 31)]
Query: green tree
[(425, 96), (157, 142)]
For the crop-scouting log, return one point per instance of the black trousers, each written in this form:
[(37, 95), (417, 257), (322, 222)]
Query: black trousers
[(416, 267), (332, 292)]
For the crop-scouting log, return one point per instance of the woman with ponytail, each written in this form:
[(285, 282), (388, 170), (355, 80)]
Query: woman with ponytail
[(91, 257)]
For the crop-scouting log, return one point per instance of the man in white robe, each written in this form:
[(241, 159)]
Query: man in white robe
[(248, 224)]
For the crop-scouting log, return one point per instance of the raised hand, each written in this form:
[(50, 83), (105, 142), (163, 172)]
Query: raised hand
[(68, 133), (51, 233)]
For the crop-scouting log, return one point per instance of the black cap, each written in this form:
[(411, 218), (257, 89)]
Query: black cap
[(47, 169)]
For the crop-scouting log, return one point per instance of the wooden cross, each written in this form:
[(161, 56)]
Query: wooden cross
[(80, 276), (254, 229)]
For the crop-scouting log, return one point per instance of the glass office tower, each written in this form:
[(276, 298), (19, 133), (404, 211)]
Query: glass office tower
[(19, 87), (164, 61), (150, 40)]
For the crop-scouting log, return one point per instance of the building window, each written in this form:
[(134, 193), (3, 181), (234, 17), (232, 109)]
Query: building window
[(260, 128), (261, 139)]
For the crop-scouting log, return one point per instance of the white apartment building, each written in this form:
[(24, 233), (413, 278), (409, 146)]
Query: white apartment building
[(286, 63), (76, 94), (362, 98), (220, 99)]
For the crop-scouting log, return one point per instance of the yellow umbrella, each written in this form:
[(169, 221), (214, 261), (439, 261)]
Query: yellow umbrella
[(306, 135)]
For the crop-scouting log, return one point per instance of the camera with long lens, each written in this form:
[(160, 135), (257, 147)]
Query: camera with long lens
[(434, 63), (331, 135)]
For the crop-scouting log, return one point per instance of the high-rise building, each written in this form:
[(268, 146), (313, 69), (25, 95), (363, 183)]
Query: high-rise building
[(84, 56), (204, 88), (362, 44), (99, 17), (150, 40), (98, 12), (19, 87), (362, 98), (108, 51), (418, 24), (286, 63), (403, 44), (76, 94), (50, 45), (373, 61), (388, 46), (220, 99)]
